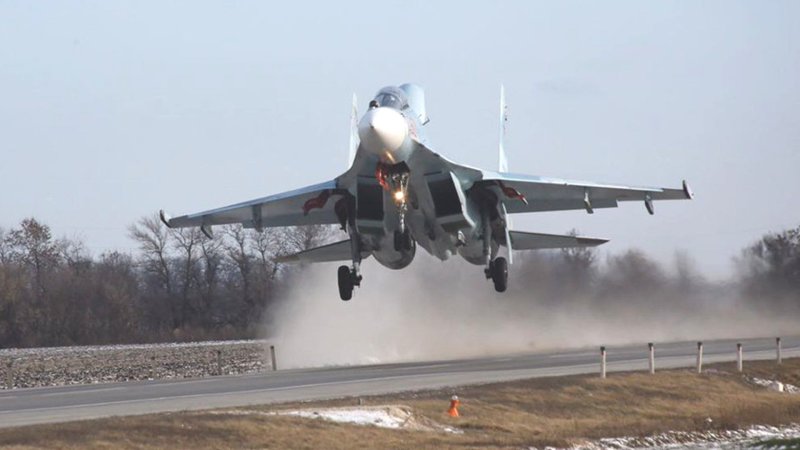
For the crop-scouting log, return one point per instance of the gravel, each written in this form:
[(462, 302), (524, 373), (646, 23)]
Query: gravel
[(59, 366)]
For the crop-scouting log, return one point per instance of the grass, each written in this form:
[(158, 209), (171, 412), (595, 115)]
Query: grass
[(536, 412)]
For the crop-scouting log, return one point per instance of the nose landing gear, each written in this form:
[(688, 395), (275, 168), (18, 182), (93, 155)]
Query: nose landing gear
[(394, 179), (402, 241)]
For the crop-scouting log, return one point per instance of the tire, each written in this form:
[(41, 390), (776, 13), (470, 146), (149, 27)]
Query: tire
[(500, 274), (345, 283)]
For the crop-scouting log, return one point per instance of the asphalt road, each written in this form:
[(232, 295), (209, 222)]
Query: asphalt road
[(66, 403)]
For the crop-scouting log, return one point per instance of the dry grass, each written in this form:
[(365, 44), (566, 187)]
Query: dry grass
[(537, 412)]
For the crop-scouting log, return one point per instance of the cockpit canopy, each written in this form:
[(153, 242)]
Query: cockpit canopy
[(392, 97)]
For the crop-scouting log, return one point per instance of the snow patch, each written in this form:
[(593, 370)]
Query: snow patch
[(379, 417), (775, 385), (696, 439), (387, 416)]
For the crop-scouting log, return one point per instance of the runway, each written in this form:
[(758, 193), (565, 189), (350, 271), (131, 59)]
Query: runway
[(67, 403)]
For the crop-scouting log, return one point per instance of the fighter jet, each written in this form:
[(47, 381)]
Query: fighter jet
[(399, 194)]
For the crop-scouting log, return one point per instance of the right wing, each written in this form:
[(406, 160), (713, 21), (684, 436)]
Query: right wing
[(535, 194), (311, 205)]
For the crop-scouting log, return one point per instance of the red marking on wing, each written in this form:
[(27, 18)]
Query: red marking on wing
[(510, 192), (316, 202)]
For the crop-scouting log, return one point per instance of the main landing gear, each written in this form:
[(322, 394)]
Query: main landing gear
[(348, 278), (498, 273)]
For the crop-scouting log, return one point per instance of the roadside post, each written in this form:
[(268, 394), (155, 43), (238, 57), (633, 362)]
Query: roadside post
[(219, 362), (652, 359), (602, 362), (10, 375), (778, 349), (272, 358), (699, 357), (739, 356)]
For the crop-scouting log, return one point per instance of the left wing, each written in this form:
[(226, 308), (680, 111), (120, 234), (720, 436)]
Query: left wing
[(522, 240), (311, 205), (525, 193)]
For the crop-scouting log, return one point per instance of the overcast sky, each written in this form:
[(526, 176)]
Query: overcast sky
[(110, 110)]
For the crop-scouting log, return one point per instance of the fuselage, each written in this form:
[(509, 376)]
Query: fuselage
[(433, 206)]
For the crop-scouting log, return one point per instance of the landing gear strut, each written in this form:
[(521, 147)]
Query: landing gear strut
[(496, 268), (394, 179)]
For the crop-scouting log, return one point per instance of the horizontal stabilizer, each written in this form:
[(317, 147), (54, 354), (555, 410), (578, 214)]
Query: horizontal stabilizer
[(338, 251), (521, 240)]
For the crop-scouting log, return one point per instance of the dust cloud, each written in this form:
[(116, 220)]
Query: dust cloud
[(436, 310)]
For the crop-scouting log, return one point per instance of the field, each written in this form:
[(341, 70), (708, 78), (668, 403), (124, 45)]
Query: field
[(541, 412)]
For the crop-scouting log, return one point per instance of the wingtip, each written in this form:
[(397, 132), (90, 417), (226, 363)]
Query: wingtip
[(165, 218), (687, 191), (592, 242)]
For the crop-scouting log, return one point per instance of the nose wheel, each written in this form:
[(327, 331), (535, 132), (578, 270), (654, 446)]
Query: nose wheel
[(498, 273)]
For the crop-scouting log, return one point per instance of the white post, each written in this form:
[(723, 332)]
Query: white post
[(10, 375), (699, 357), (739, 357), (652, 357), (778, 349), (602, 362), (272, 357)]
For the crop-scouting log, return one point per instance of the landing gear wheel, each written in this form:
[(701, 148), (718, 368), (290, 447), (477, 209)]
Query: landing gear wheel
[(499, 272), (402, 241), (345, 283)]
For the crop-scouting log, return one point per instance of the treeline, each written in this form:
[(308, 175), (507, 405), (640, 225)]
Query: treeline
[(766, 279), (180, 285)]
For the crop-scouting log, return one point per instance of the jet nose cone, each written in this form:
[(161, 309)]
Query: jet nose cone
[(382, 130)]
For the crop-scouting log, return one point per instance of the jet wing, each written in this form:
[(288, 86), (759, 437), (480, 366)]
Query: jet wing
[(311, 205), (521, 240), (525, 193)]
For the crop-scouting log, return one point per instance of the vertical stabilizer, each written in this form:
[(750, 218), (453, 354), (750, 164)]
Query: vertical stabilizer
[(503, 167), (503, 160), (353, 132)]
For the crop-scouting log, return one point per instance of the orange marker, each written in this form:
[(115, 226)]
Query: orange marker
[(454, 402)]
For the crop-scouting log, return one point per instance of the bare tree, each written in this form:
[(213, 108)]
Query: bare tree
[(154, 240), (237, 250), (32, 245), (771, 267), (212, 258), (187, 242)]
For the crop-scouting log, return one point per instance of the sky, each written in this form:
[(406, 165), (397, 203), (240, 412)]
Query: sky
[(111, 110)]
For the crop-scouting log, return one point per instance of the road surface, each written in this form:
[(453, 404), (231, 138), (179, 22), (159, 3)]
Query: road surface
[(66, 403)]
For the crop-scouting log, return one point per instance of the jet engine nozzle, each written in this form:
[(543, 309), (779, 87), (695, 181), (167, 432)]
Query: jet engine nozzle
[(382, 132)]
